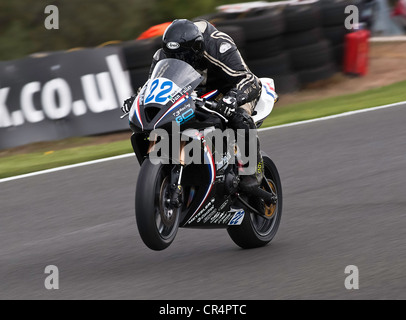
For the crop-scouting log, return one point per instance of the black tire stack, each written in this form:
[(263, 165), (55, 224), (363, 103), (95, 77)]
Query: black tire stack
[(236, 32), (332, 21), (294, 44), (263, 50), (310, 53)]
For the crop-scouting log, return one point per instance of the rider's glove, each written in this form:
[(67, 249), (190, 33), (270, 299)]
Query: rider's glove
[(227, 106), (127, 104), (240, 96)]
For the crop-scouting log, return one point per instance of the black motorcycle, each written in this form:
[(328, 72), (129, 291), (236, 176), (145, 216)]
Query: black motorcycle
[(174, 192)]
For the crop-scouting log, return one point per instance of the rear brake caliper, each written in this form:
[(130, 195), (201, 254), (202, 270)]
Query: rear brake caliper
[(271, 208)]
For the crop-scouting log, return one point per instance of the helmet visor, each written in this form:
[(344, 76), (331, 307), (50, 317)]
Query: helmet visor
[(185, 55), (190, 52)]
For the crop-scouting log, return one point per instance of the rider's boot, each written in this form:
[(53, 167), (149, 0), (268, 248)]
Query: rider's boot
[(241, 120), (254, 180)]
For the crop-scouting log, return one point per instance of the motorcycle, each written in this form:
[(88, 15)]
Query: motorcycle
[(174, 193)]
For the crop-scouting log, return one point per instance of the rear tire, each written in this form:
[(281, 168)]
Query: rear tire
[(256, 231), (156, 229)]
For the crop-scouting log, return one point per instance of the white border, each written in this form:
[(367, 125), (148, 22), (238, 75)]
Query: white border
[(66, 167), (388, 39), (345, 114), (334, 116)]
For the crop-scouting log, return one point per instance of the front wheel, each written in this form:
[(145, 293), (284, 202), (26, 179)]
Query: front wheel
[(157, 222), (256, 231)]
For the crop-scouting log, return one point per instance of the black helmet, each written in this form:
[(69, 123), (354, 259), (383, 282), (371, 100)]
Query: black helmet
[(183, 40)]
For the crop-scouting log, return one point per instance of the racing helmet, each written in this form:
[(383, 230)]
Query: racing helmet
[(183, 40)]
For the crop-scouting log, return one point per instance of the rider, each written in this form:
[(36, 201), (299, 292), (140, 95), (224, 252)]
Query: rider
[(215, 55)]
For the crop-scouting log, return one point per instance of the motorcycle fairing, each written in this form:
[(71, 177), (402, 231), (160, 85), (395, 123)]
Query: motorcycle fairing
[(167, 98), (211, 209), (266, 101), (168, 91)]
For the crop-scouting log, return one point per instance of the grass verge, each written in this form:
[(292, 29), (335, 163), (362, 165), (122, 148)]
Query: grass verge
[(36, 161), (326, 107)]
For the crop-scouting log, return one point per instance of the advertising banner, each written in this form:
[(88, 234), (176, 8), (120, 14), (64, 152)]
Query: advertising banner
[(61, 95)]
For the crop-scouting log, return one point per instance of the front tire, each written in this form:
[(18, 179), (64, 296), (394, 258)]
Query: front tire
[(256, 231), (157, 224)]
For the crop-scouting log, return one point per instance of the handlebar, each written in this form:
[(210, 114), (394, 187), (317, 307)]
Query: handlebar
[(205, 103), (209, 106), (124, 115)]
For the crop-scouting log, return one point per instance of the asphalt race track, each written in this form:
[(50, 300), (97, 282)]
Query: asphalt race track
[(344, 183)]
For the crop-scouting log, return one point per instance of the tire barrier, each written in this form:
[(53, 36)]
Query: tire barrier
[(138, 56), (305, 43), (308, 76), (332, 20), (302, 38), (333, 12), (264, 49), (311, 56), (301, 17), (277, 37), (138, 77), (138, 53), (54, 95), (294, 42), (310, 33), (256, 23)]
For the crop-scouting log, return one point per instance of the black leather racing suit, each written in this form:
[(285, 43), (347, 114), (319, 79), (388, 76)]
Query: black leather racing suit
[(225, 70), (222, 66)]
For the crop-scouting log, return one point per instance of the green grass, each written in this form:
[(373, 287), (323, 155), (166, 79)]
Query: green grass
[(335, 105), (30, 162)]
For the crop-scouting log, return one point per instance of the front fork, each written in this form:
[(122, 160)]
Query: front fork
[(174, 200)]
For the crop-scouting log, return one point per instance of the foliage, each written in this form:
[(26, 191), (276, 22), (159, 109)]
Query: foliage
[(87, 23)]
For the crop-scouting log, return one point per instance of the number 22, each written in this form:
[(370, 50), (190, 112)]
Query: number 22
[(165, 88)]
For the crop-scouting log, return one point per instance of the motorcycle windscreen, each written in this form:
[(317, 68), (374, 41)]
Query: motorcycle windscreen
[(177, 72), (171, 79)]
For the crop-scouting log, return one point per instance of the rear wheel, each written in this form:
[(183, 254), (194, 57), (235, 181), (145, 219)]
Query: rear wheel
[(157, 222), (256, 231)]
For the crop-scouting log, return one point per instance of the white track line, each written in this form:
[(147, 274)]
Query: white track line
[(67, 167), (345, 114), (334, 116)]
